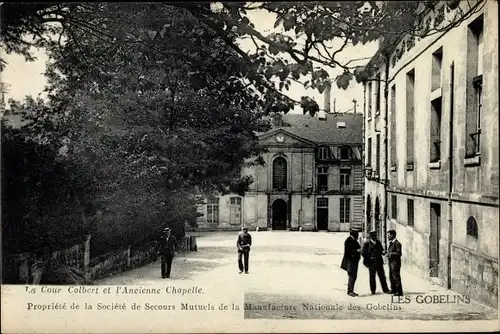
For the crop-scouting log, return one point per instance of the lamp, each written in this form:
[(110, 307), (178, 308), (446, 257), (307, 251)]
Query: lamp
[(368, 171), (309, 190)]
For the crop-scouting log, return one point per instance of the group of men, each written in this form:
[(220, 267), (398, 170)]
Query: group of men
[(373, 253)]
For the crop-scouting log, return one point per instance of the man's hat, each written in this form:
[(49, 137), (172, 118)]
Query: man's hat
[(391, 231), (244, 228), (373, 232), (166, 229), (354, 229)]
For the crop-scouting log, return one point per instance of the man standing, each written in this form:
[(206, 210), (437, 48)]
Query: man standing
[(350, 261), (372, 254), (243, 243), (167, 251), (394, 253)]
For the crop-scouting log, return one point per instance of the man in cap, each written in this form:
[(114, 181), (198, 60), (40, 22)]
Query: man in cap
[(167, 252), (243, 244), (372, 258), (394, 252), (350, 261)]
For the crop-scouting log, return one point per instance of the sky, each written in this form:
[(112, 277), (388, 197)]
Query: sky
[(26, 78)]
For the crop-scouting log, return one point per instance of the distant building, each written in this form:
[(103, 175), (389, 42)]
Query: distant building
[(431, 102), (313, 178)]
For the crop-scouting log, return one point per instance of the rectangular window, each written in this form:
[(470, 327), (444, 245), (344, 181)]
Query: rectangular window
[(323, 203), (322, 178), (435, 135), (393, 128), (377, 95), (345, 210), (377, 156), (235, 211), (437, 62), (369, 153), (411, 212), (474, 87), (213, 211), (394, 207), (410, 115), (345, 179), (369, 100)]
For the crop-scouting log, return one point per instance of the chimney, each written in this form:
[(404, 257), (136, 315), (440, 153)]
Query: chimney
[(327, 93)]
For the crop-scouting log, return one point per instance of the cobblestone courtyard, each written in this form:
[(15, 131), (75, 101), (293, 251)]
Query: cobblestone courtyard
[(298, 275)]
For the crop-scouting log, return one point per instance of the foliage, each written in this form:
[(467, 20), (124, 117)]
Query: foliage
[(298, 51), (41, 202)]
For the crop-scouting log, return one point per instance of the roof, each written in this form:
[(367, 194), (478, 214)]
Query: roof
[(325, 131)]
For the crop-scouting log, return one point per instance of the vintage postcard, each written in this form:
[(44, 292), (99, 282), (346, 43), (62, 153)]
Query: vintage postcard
[(249, 167)]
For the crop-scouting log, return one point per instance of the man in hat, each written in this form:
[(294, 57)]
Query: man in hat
[(167, 252), (350, 261), (372, 258), (394, 252), (243, 244)]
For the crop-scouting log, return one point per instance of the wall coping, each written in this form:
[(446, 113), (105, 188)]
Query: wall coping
[(473, 252)]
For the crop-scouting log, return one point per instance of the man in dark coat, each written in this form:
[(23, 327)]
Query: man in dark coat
[(243, 244), (394, 252), (372, 258), (350, 261), (167, 251)]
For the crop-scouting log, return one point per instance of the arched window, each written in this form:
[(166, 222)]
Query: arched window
[(472, 227), (279, 173)]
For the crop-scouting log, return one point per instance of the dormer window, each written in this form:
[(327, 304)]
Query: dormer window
[(323, 153), (344, 153)]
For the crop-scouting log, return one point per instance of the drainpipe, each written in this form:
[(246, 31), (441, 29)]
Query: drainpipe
[(386, 143), (450, 173), (365, 225)]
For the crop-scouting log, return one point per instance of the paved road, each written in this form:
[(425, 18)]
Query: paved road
[(297, 275)]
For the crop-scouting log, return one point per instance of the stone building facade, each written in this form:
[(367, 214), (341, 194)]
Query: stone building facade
[(431, 141), (312, 179)]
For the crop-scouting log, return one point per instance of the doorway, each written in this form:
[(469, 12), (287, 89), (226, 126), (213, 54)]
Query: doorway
[(435, 224), (322, 214), (279, 214), (368, 225), (377, 217)]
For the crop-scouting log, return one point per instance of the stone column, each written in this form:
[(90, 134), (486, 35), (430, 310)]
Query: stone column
[(86, 258)]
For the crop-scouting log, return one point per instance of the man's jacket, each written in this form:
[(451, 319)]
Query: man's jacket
[(373, 252), (351, 254), (244, 240), (394, 252), (166, 246)]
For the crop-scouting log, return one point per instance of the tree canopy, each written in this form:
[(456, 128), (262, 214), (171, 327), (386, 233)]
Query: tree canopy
[(299, 51)]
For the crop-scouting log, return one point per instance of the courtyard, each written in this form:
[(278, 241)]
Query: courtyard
[(298, 275)]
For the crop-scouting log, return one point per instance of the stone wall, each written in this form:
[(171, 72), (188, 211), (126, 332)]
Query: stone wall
[(28, 268), (123, 260), (475, 275)]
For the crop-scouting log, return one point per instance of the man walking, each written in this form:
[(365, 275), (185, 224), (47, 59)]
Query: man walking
[(372, 258), (350, 261), (394, 253), (167, 251), (243, 243)]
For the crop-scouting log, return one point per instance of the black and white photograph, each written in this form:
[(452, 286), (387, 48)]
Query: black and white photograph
[(239, 166)]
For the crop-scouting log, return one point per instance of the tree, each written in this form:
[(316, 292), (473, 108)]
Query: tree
[(149, 126)]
